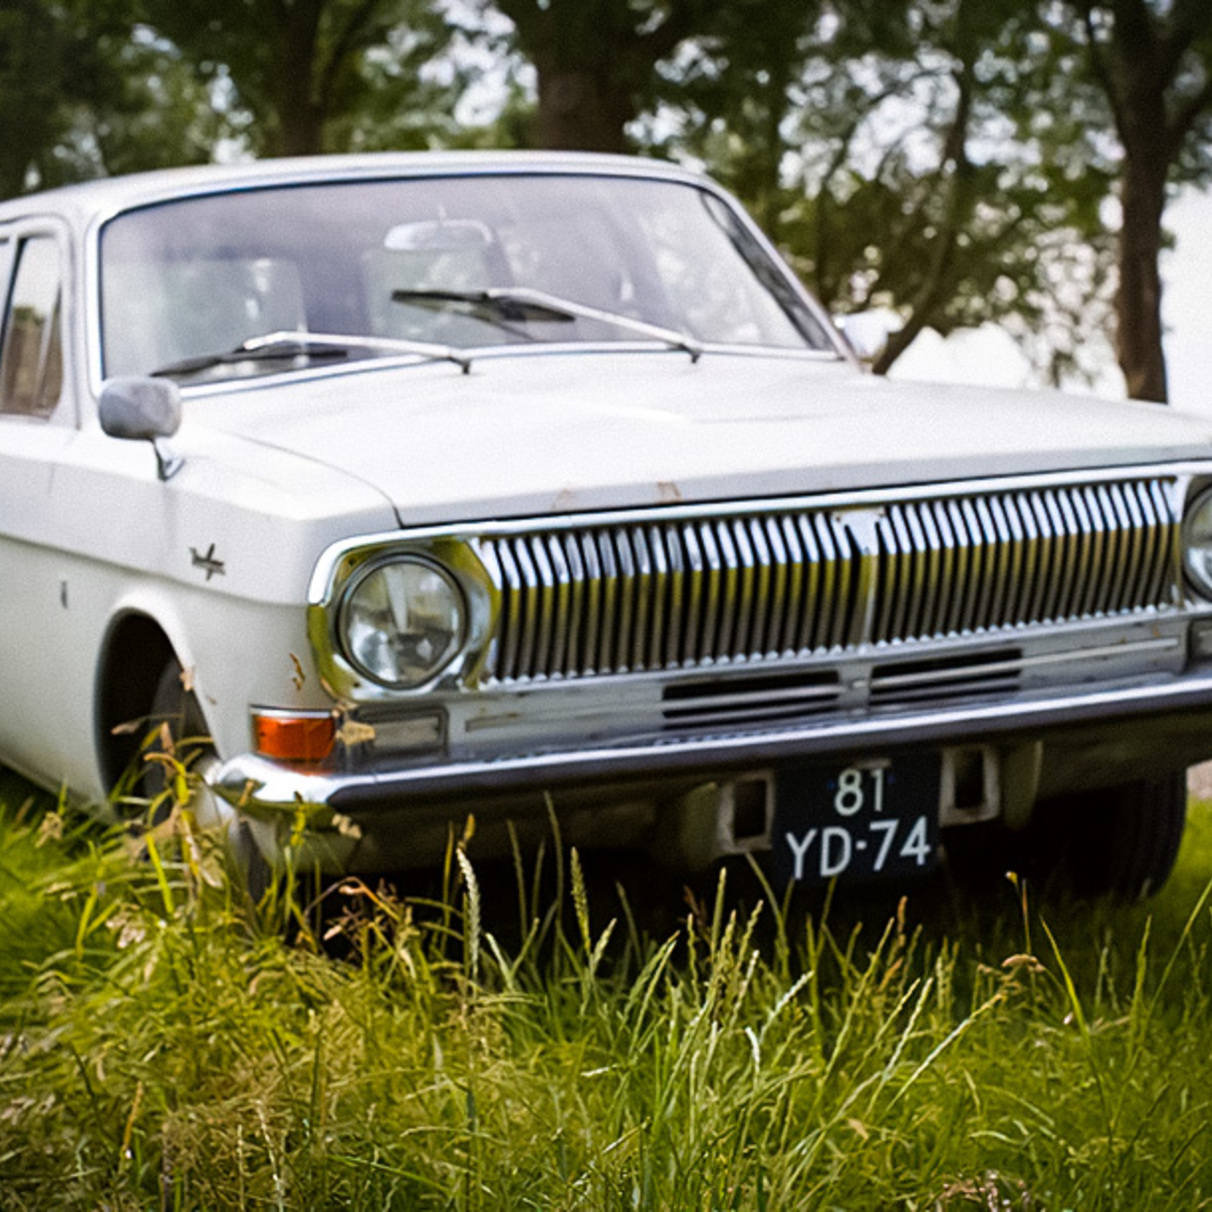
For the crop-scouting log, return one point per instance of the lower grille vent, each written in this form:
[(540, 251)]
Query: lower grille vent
[(749, 700), (945, 678)]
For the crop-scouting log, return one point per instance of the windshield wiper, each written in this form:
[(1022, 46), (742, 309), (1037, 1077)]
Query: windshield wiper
[(518, 304), (319, 346)]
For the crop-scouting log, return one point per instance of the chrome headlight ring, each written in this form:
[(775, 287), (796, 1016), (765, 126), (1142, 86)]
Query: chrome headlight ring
[(1197, 543), (402, 621)]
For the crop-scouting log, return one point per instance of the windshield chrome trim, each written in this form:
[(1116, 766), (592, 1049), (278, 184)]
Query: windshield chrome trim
[(486, 353)]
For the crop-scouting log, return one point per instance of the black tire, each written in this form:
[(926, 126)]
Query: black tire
[(1119, 842), (177, 707), (979, 857)]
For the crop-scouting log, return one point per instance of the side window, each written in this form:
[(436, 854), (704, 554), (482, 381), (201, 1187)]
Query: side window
[(31, 355)]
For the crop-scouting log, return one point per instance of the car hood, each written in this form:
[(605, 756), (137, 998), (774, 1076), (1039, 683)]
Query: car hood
[(550, 433)]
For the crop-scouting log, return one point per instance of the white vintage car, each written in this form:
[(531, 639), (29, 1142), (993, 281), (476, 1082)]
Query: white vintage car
[(436, 484)]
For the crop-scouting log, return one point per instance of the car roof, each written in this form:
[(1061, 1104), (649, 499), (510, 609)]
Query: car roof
[(112, 194)]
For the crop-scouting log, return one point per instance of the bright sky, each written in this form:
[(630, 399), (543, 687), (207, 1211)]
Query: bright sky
[(1187, 303), (990, 355)]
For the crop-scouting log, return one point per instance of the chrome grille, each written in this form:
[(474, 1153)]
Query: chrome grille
[(975, 564), (683, 593)]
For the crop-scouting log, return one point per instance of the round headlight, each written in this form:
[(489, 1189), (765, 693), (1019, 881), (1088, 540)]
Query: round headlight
[(1197, 544), (402, 622)]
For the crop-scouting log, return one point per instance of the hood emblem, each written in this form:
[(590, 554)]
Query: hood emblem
[(863, 526)]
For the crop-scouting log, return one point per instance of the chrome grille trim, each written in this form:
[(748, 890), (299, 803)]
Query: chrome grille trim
[(633, 596)]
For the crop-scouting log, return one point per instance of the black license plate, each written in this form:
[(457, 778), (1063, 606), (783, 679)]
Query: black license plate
[(857, 820)]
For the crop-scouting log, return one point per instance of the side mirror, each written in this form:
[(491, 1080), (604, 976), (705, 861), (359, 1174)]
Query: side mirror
[(143, 409), (140, 408)]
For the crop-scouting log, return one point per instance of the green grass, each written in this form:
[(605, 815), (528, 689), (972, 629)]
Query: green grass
[(162, 1046)]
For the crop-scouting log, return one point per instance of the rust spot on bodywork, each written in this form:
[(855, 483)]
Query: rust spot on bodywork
[(667, 490), (354, 732)]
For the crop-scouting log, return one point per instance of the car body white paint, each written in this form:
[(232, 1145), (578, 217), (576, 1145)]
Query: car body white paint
[(548, 432)]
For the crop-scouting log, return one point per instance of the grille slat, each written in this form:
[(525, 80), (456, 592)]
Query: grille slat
[(1166, 550), (1093, 555), (546, 606), (919, 599), (511, 624), (763, 590), (974, 580), (1110, 541), (677, 596), (1067, 522), (681, 594), (1036, 573), (1140, 511), (577, 590), (587, 661), (827, 560), (805, 625)]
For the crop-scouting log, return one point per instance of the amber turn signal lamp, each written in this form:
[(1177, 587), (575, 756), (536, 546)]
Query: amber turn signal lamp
[(294, 737)]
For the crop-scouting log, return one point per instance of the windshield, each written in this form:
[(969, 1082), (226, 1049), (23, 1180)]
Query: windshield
[(433, 260)]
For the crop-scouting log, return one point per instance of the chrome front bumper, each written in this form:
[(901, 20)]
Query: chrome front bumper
[(1159, 711)]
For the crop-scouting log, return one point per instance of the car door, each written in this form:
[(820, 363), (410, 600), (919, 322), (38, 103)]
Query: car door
[(37, 426)]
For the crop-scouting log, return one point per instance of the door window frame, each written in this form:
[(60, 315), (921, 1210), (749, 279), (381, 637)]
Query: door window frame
[(13, 237)]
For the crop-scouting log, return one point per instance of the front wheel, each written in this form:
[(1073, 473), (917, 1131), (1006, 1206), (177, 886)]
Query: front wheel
[(188, 745), (1120, 841), (181, 740)]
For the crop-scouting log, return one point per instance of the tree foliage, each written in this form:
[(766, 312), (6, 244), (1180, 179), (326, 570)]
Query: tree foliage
[(596, 60), (313, 75), (1149, 64), (953, 161), (86, 91), (875, 142), (32, 77)]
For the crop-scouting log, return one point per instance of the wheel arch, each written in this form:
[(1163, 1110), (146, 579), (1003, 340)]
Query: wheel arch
[(132, 658)]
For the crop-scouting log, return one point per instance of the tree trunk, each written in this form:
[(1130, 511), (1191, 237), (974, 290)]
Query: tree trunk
[(1139, 334), (297, 128), (1146, 72), (960, 201), (582, 110), (299, 131)]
